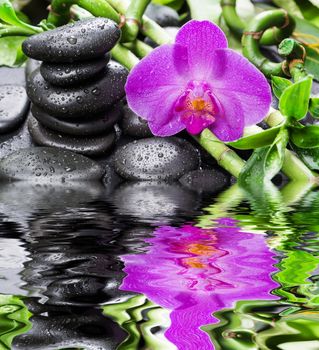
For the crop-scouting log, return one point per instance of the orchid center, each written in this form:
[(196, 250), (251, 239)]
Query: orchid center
[(197, 107)]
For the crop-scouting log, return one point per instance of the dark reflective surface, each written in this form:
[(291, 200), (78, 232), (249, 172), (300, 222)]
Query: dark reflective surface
[(144, 265)]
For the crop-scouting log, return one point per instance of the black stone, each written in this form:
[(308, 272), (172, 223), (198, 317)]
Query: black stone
[(79, 41), (133, 125), (16, 140), (47, 165), (91, 98), (85, 145), (68, 74), (205, 180), (14, 104), (156, 159), (165, 16), (93, 125)]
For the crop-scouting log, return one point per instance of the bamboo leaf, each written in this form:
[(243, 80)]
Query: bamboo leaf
[(294, 101), (306, 137), (279, 85)]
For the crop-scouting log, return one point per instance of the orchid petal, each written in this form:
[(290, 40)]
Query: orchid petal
[(229, 124), (235, 80), (154, 84), (201, 38)]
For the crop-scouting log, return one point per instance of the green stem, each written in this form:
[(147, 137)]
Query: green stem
[(60, 10), (254, 31), (271, 36), (293, 167), (124, 56), (139, 48), (149, 27), (226, 158), (134, 16), (15, 31)]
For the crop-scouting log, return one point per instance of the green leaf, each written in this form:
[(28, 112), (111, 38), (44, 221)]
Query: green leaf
[(310, 156), (8, 15), (261, 139), (314, 107), (10, 51), (290, 6), (279, 85), (294, 101), (309, 11), (308, 34), (264, 163), (306, 137)]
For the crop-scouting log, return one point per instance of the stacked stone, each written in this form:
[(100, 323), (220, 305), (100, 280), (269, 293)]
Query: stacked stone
[(76, 92)]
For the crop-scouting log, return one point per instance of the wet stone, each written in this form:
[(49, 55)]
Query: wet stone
[(133, 125), (16, 140), (14, 104), (68, 74), (205, 180), (92, 125), (79, 41), (165, 16), (90, 146), (90, 98), (44, 164), (156, 159)]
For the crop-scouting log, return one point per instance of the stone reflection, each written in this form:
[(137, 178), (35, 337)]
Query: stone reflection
[(155, 202)]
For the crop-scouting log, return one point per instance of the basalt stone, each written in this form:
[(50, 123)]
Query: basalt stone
[(91, 98), (85, 145), (205, 180), (79, 41), (68, 74), (133, 125), (14, 104), (45, 165), (94, 125), (156, 159), (16, 140), (165, 16)]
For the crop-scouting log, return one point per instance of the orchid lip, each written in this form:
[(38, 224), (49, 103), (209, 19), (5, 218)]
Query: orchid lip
[(197, 107)]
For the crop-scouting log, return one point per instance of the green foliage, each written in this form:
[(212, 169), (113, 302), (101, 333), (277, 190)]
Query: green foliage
[(9, 16), (279, 85), (208, 9), (261, 139), (314, 107), (10, 51), (309, 156), (294, 101), (290, 6), (14, 319), (305, 137), (264, 163), (308, 34)]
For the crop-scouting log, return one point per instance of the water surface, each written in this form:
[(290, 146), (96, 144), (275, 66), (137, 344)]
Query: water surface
[(157, 266)]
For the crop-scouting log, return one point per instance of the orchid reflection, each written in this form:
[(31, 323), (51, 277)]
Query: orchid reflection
[(194, 272)]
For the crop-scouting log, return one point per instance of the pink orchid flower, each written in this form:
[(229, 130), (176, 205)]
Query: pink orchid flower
[(195, 272), (198, 83)]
